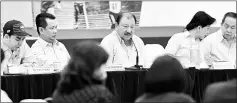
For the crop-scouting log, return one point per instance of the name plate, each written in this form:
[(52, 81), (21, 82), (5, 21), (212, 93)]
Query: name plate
[(16, 69), (114, 68), (223, 65), (40, 70)]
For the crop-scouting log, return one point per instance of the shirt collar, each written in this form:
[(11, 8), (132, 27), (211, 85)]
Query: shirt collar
[(44, 43), (187, 34)]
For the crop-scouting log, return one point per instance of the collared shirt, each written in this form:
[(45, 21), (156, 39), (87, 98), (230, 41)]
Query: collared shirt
[(216, 49), (119, 53), (180, 45), (15, 57), (45, 54)]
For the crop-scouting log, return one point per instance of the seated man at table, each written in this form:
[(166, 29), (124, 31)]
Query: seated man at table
[(4, 96), (123, 46), (47, 51), (221, 45), (13, 43), (185, 46)]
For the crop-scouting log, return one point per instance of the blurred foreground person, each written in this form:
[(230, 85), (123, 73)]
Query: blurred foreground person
[(221, 92), (165, 82), (82, 79)]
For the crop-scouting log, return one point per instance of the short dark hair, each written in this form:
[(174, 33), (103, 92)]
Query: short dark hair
[(87, 56), (41, 20), (201, 18), (2, 55), (166, 74), (122, 14), (229, 14)]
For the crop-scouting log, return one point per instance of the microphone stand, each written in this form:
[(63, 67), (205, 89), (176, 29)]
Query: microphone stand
[(137, 66)]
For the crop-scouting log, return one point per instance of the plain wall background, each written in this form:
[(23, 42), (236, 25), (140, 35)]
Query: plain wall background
[(179, 13)]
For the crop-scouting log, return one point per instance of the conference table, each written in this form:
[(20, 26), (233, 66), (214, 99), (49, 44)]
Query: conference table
[(126, 85)]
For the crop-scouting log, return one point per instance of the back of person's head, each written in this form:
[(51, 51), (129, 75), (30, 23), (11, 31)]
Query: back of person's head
[(127, 15), (202, 19), (229, 14), (177, 98), (166, 74), (87, 58), (221, 92), (41, 20), (167, 98)]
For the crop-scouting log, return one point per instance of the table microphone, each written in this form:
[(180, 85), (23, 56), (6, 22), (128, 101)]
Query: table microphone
[(137, 66)]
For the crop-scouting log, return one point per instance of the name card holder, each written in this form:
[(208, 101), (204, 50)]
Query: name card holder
[(41, 70), (223, 65), (114, 68)]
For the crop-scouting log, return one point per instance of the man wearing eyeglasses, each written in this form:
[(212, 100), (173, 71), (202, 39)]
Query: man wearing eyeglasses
[(220, 47), (123, 46)]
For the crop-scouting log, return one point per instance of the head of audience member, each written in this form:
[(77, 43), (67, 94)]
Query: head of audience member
[(228, 26), (46, 24), (14, 34), (126, 25), (200, 24), (85, 68), (166, 74)]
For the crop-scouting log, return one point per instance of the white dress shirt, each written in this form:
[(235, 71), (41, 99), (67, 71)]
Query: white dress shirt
[(13, 58), (180, 45), (119, 53), (216, 49), (46, 54)]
